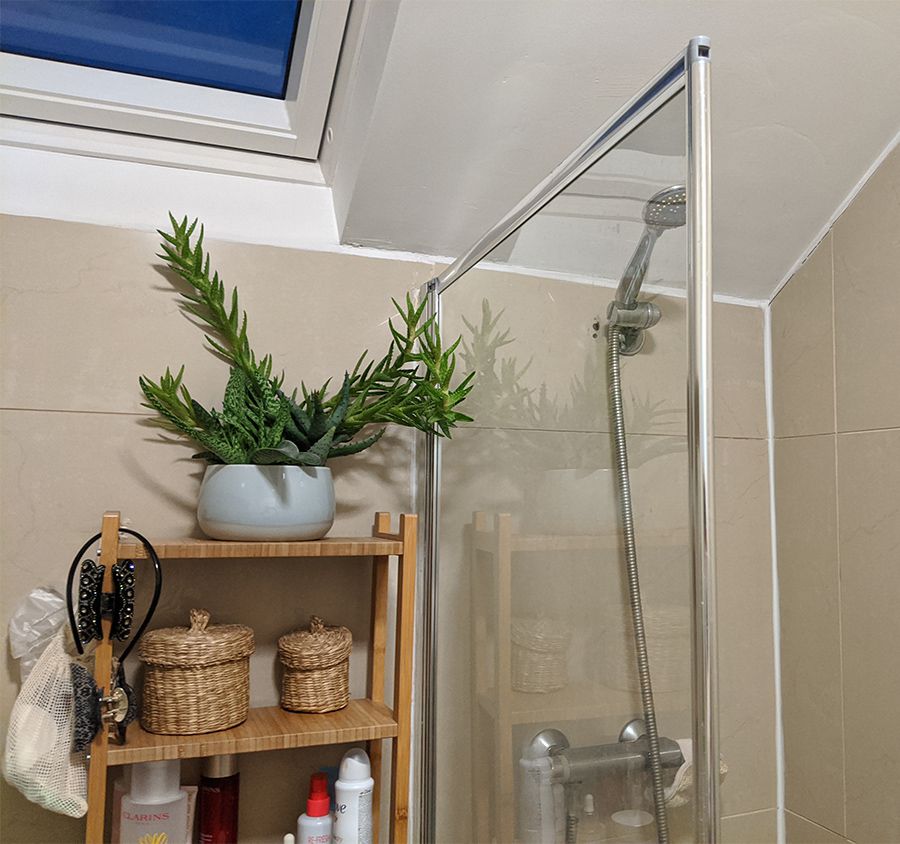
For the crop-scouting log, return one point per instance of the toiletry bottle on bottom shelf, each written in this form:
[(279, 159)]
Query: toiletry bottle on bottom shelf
[(155, 806), (314, 825), (219, 791), (353, 799)]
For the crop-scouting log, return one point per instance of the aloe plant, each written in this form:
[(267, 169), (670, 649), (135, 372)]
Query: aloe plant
[(411, 385)]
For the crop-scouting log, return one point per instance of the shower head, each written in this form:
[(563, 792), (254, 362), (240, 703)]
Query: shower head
[(666, 209)]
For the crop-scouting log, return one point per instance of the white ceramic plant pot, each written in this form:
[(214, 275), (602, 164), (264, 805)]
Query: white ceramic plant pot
[(266, 503)]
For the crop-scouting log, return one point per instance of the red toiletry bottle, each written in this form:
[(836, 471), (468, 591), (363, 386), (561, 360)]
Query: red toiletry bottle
[(314, 825), (218, 797)]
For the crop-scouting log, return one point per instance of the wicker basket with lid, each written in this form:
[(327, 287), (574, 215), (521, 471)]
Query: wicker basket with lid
[(197, 678), (539, 655), (316, 668)]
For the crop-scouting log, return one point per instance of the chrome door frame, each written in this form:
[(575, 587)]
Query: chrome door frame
[(690, 72)]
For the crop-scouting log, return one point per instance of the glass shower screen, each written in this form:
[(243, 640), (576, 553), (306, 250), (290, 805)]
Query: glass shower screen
[(536, 710)]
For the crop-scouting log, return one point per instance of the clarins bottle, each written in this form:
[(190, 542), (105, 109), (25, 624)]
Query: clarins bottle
[(155, 809), (219, 788)]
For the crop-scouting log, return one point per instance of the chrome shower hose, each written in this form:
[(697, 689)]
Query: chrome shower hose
[(634, 587)]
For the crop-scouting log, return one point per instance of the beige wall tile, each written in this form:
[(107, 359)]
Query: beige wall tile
[(806, 510), (866, 269), (755, 828), (866, 260), (869, 507), (93, 312), (489, 469), (61, 470), (739, 371), (85, 313), (746, 652), (799, 830), (802, 349), (103, 308), (25, 823), (549, 324)]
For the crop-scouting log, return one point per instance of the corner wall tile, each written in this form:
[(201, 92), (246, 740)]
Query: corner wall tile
[(739, 371), (746, 649), (803, 349), (867, 303), (869, 507), (806, 513)]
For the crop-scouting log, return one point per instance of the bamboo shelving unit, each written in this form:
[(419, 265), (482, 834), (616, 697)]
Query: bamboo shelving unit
[(368, 720)]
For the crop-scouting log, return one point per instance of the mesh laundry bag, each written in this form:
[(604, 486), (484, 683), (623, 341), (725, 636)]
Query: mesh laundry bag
[(39, 759)]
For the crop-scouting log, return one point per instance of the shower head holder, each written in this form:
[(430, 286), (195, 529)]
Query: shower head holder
[(631, 320)]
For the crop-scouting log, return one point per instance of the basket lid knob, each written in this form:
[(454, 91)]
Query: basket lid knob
[(199, 621), (316, 625)]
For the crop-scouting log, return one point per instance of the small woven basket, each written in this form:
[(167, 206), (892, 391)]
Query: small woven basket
[(197, 678), (316, 668), (668, 634), (539, 655)]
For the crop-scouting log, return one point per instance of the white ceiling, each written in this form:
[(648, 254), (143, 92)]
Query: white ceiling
[(447, 112)]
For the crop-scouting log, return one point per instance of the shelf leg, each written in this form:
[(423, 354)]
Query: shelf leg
[(96, 789), (503, 741), (403, 675), (378, 649)]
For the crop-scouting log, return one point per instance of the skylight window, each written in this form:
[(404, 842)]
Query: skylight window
[(248, 74), (238, 45)]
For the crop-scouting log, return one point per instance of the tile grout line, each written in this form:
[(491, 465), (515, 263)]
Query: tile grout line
[(75, 410), (892, 429), (750, 813), (816, 824), (776, 596), (837, 541)]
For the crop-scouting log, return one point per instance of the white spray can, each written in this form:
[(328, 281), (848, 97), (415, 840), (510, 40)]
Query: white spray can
[(353, 799)]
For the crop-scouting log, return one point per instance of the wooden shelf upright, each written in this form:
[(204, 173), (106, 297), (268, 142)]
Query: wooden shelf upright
[(368, 720)]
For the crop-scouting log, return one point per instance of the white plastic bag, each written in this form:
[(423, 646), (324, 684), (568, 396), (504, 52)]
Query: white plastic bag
[(39, 759), (32, 626)]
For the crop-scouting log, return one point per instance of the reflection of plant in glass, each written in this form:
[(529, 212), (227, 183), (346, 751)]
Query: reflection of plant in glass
[(501, 399), (498, 395)]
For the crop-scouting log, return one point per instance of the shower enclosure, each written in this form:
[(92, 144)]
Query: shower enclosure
[(567, 646)]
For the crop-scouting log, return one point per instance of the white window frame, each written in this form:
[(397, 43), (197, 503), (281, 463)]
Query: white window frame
[(84, 96)]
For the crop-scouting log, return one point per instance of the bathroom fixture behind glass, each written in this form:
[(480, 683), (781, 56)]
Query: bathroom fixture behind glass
[(491, 463), (664, 210), (628, 318)]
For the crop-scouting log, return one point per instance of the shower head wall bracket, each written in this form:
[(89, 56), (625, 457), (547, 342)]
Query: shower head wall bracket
[(632, 320)]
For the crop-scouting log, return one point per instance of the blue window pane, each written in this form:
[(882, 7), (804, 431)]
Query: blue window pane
[(239, 45)]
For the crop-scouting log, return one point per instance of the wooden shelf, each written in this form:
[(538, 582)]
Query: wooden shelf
[(268, 728), (367, 720), (485, 541), (577, 702), (208, 549)]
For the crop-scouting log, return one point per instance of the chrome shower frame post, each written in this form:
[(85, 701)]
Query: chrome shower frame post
[(689, 71), (428, 503), (701, 445)]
